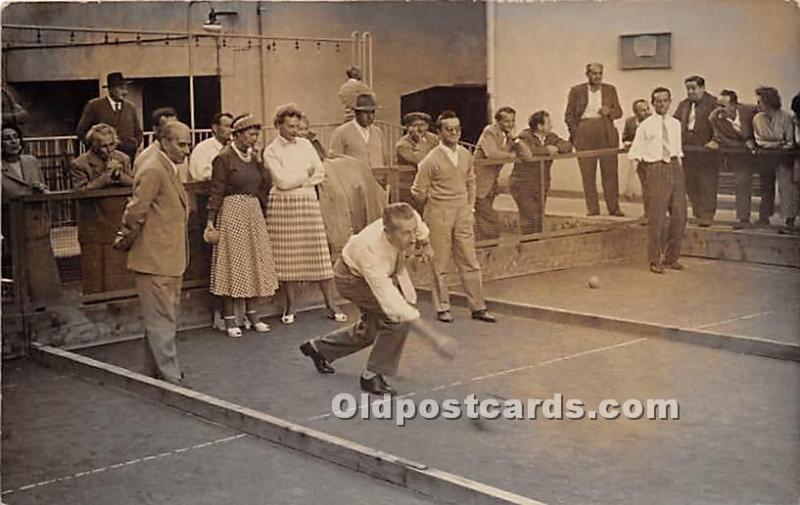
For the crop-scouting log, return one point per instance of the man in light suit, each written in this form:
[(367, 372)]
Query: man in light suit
[(154, 231), (359, 138), (115, 111), (592, 108), (496, 142), (445, 185), (351, 89)]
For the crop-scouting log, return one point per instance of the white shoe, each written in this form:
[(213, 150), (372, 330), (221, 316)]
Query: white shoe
[(261, 327), (287, 318), (234, 332)]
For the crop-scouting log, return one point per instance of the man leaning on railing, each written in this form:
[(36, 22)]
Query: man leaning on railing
[(102, 166)]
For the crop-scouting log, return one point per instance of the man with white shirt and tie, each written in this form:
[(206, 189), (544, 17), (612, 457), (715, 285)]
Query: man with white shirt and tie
[(372, 274), (114, 111), (658, 149)]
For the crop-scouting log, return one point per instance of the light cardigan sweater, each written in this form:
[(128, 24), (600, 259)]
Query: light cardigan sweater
[(347, 140)]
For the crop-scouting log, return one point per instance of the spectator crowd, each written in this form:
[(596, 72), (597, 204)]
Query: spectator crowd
[(269, 212)]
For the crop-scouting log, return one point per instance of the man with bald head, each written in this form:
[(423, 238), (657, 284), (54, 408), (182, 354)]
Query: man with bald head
[(154, 234), (592, 108)]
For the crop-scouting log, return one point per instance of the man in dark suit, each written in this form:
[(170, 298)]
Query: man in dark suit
[(700, 165), (154, 231), (732, 125), (592, 108), (116, 112), (102, 166)]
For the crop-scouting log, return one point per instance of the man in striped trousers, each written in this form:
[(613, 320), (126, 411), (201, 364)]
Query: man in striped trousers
[(657, 148)]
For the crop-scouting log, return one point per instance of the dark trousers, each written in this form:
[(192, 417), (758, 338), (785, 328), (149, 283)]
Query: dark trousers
[(592, 134), (766, 176), (487, 222), (160, 298), (702, 184), (666, 194), (742, 167), (643, 183), (374, 328), (531, 202)]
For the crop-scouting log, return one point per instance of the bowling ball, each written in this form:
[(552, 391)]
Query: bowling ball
[(594, 282)]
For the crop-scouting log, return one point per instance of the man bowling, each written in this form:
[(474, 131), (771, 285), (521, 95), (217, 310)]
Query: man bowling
[(372, 274)]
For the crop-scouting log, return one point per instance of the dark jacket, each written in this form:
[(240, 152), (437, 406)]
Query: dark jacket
[(724, 132), (98, 218), (531, 145), (629, 131), (577, 101), (702, 132), (126, 122)]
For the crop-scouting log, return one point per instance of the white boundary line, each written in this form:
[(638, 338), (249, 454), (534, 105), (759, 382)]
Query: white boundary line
[(490, 375), (122, 464)]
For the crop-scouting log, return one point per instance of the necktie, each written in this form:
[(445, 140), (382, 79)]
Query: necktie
[(665, 151), (403, 279), (692, 117)]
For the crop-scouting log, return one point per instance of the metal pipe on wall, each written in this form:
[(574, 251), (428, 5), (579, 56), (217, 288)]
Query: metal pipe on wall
[(367, 37), (490, 58), (355, 53), (261, 63), (189, 61)]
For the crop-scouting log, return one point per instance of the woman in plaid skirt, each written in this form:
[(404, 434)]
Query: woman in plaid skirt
[(294, 219), (242, 265)]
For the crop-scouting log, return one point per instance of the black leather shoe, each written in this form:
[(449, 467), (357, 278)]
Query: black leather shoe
[(484, 315), (617, 213), (444, 316), (376, 386), (323, 365), (656, 269)]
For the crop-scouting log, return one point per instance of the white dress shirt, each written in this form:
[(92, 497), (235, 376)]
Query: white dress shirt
[(288, 162), (370, 255), (202, 157), (594, 104), (648, 143), (115, 105), (692, 117)]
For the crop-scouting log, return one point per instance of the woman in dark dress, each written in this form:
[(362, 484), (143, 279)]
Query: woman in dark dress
[(242, 265)]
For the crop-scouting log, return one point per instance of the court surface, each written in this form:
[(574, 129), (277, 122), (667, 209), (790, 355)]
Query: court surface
[(737, 440), (69, 441), (719, 296)]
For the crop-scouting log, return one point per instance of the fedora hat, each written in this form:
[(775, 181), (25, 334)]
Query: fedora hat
[(365, 102), (115, 79)]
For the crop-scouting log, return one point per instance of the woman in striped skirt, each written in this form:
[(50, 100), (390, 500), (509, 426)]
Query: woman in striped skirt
[(294, 219), (242, 265)]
